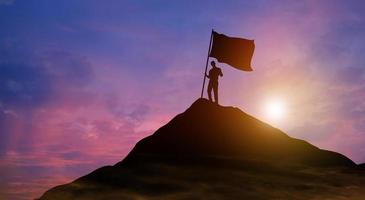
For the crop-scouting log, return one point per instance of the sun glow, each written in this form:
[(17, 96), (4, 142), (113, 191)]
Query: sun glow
[(274, 109)]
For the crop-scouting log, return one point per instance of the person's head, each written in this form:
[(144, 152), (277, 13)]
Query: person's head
[(213, 64)]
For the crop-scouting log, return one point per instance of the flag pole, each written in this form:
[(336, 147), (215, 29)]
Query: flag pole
[(206, 64)]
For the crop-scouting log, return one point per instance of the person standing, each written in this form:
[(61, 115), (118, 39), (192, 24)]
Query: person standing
[(213, 76)]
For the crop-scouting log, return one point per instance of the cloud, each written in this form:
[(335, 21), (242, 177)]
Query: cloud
[(24, 85), (30, 80)]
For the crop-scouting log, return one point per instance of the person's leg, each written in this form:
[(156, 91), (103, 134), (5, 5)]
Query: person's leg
[(216, 93), (210, 91)]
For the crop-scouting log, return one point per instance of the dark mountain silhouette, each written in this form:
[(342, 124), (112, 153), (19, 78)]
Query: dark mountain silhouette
[(216, 152), (362, 165)]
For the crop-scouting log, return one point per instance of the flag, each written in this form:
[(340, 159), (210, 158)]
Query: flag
[(236, 52)]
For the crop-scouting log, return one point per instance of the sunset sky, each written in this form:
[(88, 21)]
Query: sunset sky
[(83, 81)]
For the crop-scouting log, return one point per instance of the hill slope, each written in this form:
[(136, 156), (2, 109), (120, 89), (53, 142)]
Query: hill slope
[(207, 129), (217, 152)]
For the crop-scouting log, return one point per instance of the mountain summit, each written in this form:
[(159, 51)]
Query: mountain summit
[(211, 151), (207, 129)]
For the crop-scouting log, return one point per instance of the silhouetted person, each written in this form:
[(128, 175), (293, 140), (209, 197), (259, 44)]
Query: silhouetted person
[(213, 76)]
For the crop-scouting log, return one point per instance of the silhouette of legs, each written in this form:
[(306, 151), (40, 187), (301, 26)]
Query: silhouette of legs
[(210, 91), (213, 86), (215, 90)]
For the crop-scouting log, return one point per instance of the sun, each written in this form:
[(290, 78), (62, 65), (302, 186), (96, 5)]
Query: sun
[(274, 109)]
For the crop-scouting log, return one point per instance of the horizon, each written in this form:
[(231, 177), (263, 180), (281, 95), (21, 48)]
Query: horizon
[(82, 82)]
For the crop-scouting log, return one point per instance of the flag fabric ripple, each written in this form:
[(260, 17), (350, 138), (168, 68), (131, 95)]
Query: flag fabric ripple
[(237, 52)]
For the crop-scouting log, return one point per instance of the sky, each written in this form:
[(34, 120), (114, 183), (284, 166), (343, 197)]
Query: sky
[(83, 81)]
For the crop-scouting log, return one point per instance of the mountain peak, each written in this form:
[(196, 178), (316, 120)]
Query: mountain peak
[(206, 129), (203, 103)]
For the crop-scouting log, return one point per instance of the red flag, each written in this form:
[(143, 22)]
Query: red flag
[(236, 52)]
